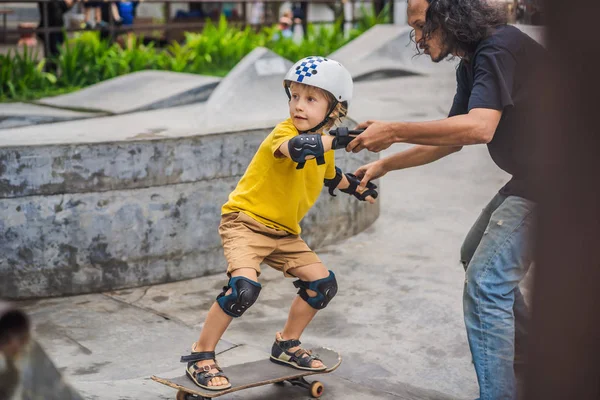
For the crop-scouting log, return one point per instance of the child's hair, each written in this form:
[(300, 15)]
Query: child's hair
[(338, 112)]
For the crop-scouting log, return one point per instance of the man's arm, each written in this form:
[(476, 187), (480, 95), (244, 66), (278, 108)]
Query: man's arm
[(413, 157), (478, 126), (416, 156)]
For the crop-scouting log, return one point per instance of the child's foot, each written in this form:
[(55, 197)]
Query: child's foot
[(203, 370), (289, 352), (218, 382)]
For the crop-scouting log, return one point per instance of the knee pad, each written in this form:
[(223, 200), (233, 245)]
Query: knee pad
[(325, 288), (244, 293)]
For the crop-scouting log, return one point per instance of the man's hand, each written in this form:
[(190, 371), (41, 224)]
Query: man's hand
[(368, 199), (369, 172), (377, 136)]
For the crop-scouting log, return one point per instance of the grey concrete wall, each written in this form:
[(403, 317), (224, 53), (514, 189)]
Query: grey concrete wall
[(80, 218)]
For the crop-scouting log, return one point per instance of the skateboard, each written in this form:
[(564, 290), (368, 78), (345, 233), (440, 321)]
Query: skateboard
[(257, 373)]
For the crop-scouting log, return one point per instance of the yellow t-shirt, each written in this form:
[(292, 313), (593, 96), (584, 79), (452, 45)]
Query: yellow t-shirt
[(273, 191)]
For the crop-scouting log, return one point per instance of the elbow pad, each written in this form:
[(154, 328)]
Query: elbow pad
[(304, 145)]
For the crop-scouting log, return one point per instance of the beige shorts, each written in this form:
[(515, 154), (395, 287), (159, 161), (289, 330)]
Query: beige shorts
[(247, 243)]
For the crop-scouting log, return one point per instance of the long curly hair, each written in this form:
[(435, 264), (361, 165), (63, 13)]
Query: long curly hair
[(463, 23)]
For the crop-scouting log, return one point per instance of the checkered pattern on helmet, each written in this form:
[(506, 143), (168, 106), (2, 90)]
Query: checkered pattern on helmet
[(308, 67)]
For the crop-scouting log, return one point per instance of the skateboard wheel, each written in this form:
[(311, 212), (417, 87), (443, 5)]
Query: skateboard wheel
[(181, 395), (316, 389)]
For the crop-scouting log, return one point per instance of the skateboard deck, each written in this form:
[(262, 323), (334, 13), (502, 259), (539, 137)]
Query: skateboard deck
[(256, 373)]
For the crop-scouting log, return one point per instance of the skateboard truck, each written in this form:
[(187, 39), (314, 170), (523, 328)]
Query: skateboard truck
[(343, 136), (316, 388)]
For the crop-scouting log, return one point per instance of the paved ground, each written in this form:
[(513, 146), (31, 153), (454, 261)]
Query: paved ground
[(397, 319)]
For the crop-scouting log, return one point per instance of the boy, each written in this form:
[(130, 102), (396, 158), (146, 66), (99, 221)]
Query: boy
[(260, 221)]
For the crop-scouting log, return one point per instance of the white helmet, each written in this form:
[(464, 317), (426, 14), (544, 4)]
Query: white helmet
[(324, 73)]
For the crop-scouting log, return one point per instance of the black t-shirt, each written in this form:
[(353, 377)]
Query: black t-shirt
[(500, 77)]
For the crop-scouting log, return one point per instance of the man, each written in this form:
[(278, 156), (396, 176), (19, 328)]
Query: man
[(56, 10), (490, 106)]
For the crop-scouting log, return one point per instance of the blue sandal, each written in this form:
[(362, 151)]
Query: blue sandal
[(300, 359), (201, 376)]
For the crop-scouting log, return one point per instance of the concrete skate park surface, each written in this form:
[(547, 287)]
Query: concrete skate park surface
[(397, 319), (14, 115), (137, 91), (250, 97), (384, 50), (534, 31)]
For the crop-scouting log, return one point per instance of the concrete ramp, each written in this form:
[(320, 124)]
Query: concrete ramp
[(386, 51), (252, 91), (144, 125), (13, 115), (537, 33), (143, 90)]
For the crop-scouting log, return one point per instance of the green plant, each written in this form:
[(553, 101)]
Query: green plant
[(22, 75), (369, 19)]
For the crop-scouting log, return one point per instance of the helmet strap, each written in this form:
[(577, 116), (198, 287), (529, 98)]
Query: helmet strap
[(325, 121)]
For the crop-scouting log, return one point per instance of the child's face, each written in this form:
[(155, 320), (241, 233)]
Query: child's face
[(308, 106)]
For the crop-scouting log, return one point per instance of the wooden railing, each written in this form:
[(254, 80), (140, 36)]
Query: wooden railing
[(169, 25)]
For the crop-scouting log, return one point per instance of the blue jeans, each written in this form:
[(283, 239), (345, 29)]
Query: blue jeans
[(496, 255)]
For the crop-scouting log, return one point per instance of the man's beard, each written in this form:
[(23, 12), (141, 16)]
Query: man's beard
[(443, 54)]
